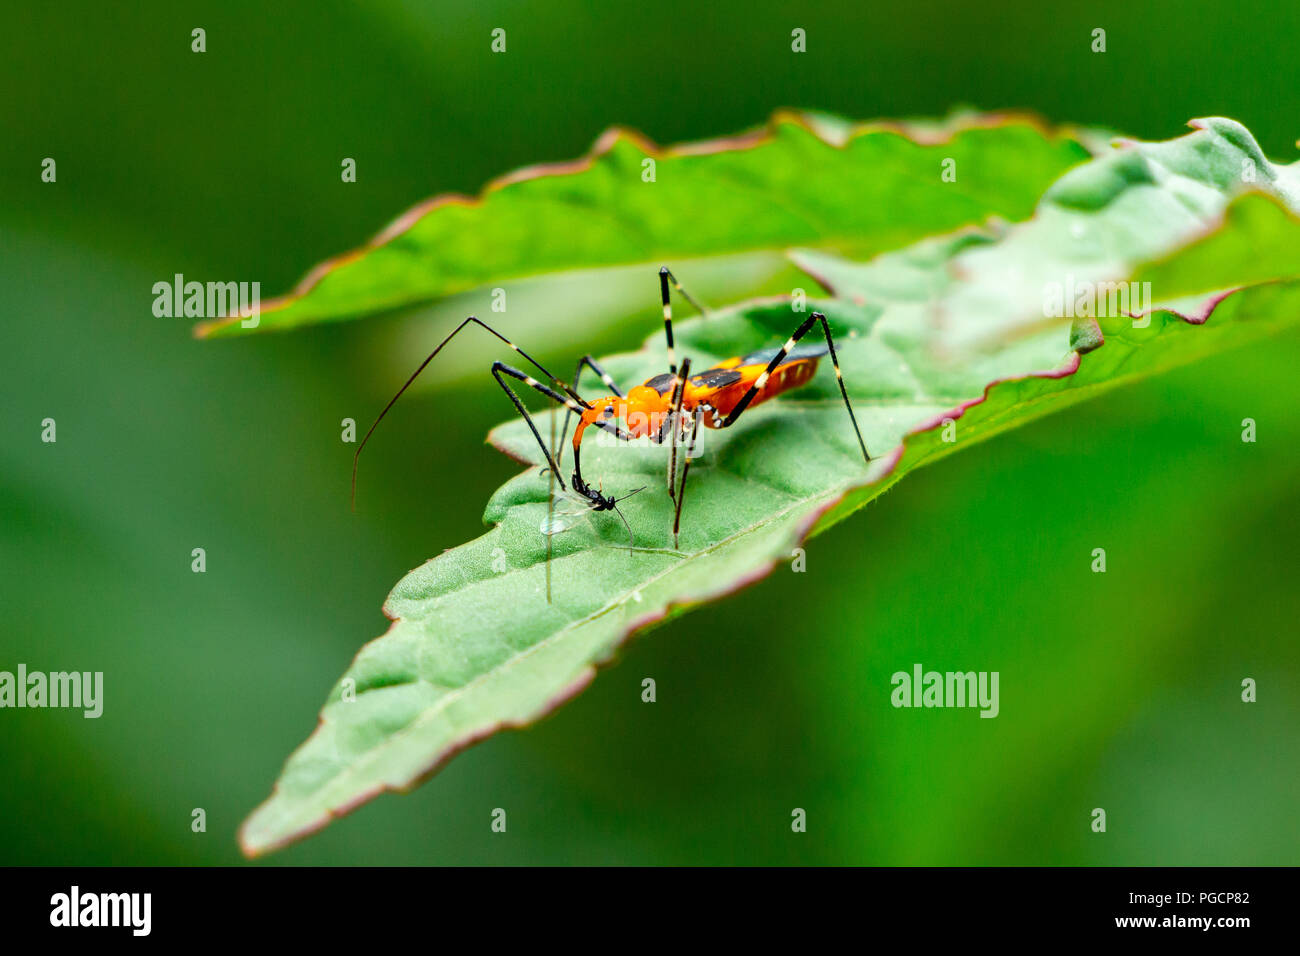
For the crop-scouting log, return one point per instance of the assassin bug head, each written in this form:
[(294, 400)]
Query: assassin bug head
[(641, 411)]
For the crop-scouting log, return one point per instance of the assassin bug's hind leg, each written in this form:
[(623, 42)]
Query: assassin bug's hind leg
[(839, 380), (777, 359)]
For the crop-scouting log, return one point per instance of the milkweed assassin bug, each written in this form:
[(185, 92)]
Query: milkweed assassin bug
[(667, 408)]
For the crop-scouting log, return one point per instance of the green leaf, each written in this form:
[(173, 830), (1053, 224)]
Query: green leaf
[(804, 180), (943, 344)]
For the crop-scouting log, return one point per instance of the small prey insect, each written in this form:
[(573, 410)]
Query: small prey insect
[(668, 408), (569, 509)]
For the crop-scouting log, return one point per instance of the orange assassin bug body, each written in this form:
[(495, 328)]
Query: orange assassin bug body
[(667, 407), (715, 391)]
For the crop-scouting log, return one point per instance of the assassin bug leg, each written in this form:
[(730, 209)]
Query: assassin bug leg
[(799, 333), (672, 423), (572, 395), (550, 499), (665, 277), (686, 467), (499, 369), (599, 501), (605, 378)]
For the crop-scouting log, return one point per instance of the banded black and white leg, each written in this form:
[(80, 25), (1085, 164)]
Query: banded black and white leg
[(501, 368), (686, 467), (666, 277), (569, 395), (606, 379), (780, 356), (671, 427)]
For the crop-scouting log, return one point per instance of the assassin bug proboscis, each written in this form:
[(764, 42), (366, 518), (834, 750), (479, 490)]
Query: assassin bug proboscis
[(666, 408)]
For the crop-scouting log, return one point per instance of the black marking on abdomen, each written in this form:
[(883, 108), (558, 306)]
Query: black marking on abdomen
[(716, 378), (662, 383), (763, 356)]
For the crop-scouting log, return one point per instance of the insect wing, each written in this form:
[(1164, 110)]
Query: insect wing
[(567, 511)]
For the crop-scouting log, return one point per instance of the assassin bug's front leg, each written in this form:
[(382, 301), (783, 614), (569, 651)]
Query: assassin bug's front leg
[(608, 381), (499, 369), (561, 393)]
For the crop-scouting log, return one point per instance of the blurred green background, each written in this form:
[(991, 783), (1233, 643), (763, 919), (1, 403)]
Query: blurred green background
[(1118, 690)]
